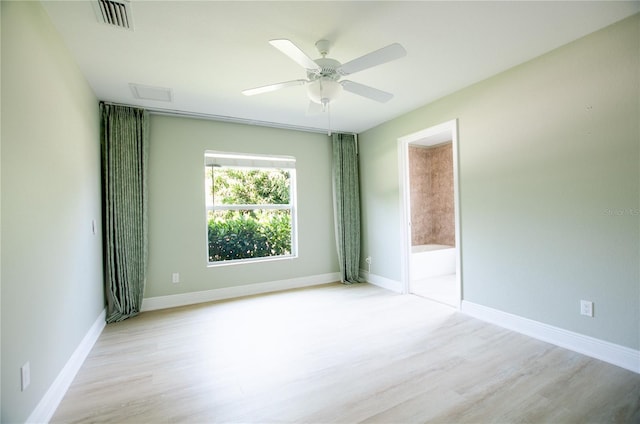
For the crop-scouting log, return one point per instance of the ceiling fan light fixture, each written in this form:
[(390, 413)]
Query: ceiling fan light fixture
[(324, 90)]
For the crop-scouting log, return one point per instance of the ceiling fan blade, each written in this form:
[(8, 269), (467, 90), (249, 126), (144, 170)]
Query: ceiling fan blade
[(294, 52), (378, 57), (272, 87), (366, 91)]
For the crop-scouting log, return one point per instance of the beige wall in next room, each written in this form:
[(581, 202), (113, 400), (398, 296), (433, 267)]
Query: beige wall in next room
[(431, 193)]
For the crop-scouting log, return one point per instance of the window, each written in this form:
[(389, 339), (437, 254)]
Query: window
[(251, 203)]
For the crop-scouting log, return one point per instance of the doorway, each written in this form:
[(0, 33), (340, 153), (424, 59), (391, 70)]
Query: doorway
[(430, 262)]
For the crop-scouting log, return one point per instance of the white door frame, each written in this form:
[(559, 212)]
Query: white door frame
[(427, 137)]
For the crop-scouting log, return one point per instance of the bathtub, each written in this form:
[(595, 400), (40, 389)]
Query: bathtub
[(431, 260)]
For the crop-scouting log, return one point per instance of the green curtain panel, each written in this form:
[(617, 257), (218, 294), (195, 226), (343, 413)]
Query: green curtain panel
[(346, 204), (124, 142)]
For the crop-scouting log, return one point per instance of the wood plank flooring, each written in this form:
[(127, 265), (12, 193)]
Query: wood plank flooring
[(441, 288), (338, 354)]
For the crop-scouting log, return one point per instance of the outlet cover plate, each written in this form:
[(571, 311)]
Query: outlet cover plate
[(586, 308)]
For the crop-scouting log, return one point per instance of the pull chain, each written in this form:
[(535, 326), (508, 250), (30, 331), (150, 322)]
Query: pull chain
[(329, 118)]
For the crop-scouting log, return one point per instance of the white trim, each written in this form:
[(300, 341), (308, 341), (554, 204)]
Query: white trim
[(52, 398), (233, 262), (191, 298), (231, 119), (431, 136), (405, 216), (385, 283), (248, 160), (606, 351)]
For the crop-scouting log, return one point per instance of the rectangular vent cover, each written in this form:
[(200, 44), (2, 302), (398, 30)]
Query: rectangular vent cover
[(114, 12), (147, 92)]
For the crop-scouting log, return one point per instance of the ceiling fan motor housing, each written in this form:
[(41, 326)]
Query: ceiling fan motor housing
[(327, 69), (323, 86)]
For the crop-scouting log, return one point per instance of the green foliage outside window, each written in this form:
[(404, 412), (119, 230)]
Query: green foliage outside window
[(249, 233), (251, 186)]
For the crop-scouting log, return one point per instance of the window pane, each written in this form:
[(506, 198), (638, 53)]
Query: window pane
[(242, 234), (237, 186)]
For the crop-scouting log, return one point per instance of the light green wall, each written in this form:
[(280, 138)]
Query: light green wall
[(549, 186), (51, 263), (177, 223)]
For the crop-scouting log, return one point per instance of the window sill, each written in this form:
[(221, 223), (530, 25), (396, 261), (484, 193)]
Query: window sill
[(250, 261)]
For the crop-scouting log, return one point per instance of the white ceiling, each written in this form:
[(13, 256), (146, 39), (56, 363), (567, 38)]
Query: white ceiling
[(207, 52)]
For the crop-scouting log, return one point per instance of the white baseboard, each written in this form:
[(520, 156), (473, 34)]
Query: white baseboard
[(385, 283), (606, 351), (52, 398), (183, 299)]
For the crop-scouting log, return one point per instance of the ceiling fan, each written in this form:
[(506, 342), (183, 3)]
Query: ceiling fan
[(324, 74)]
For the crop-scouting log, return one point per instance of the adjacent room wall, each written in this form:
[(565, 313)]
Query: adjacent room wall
[(549, 186), (431, 194), (51, 262), (177, 217)]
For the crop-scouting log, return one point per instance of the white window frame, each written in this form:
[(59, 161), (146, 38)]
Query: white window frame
[(252, 161)]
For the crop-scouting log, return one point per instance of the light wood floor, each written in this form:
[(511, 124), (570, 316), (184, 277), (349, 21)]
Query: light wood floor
[(338, 354), (441, 288)]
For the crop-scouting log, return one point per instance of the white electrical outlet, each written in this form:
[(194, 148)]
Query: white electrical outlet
[(368, 260), (586, 308), (175, 277), (25, 376)]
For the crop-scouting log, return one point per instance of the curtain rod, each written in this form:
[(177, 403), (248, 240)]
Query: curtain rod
[(222, 118)]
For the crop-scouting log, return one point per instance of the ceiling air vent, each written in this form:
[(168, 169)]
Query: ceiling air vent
[(114, 12), (147, 92)]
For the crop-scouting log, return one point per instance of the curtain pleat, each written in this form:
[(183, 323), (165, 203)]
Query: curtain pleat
[(346, 204), (124, 145)]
